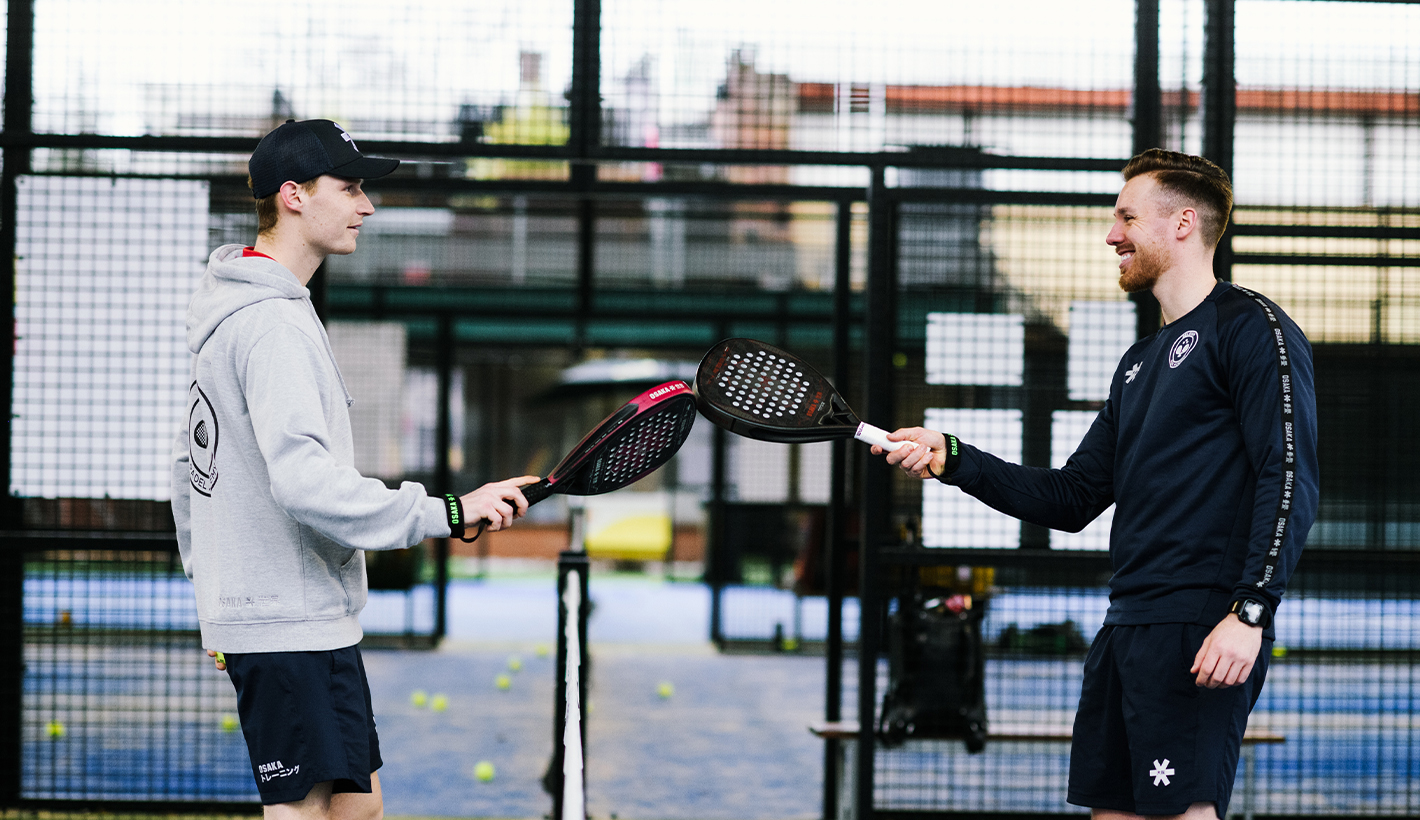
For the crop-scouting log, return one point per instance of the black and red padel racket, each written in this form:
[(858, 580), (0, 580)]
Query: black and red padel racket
[(625, 447)]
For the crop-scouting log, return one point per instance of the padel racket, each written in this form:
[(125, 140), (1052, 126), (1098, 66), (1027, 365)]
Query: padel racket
[(627, 446), (760, 391)]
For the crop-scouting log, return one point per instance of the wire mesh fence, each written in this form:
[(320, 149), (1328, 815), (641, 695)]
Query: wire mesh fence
[(1337, 709), (733, 143), (120, 702)]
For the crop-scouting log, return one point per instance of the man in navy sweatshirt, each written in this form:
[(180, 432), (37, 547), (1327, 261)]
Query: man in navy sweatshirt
[(1207, 448)]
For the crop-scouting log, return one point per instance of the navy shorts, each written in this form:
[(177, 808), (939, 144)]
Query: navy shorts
[(1147, 738), (307, 719)]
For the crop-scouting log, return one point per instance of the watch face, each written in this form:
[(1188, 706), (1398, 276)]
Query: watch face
[(1252, 612)]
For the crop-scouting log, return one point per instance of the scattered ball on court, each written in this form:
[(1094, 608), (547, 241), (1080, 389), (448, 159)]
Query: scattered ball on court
[(666, 689), (230, 723), (503, 681), (1279, 651), (515, 663), (484, 771), (543, 650), (419, 698), (54, 729), (439, 703), (791, 644)]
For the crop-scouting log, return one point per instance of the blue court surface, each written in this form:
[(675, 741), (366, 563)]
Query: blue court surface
[(729, 741)]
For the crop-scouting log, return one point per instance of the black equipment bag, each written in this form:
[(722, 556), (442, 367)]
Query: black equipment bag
[(936, 670)]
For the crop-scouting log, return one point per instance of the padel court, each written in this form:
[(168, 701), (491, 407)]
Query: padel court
[(897, 211)]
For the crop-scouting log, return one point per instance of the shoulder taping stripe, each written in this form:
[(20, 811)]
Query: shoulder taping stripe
[(1284, 377)]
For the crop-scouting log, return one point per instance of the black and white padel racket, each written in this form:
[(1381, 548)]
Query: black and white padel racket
[(624, 448), (760, 391)]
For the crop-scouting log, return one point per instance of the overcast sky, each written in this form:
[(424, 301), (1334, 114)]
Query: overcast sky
[(118, 61)]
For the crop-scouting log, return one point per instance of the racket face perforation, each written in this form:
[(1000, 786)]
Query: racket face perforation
[(760, 391), (630, 444), (764, 385), (641, 447)]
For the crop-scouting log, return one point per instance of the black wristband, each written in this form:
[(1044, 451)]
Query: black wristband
[(952, 460), (455, 510)]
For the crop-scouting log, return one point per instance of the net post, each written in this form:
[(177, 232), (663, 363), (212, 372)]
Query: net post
[(572, 571)]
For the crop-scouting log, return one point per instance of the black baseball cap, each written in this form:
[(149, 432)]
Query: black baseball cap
[(302, 151)]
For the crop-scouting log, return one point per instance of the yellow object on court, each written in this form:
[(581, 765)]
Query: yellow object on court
[(628, 526)]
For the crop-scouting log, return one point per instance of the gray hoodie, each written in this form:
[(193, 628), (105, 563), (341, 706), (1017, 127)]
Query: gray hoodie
[(271, 515)]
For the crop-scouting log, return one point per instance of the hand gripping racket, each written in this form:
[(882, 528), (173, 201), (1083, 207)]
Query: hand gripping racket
[(760, 391), (627, 446)]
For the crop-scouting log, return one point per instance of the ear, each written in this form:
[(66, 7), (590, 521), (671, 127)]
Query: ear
[(291, 196), (1185, 223)]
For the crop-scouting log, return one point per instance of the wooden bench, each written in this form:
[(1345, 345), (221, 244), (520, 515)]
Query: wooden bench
[(846, 732)]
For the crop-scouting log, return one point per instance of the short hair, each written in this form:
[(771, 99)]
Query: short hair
[(266, 211), (1194, 180)]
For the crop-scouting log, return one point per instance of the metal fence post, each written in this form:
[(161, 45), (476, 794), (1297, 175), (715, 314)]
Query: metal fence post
[(880, 324)]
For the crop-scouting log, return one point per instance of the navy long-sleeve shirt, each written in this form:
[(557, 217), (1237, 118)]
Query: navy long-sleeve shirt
[(1207, 447)]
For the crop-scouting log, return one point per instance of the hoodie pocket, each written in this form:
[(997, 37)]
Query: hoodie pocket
[(352, 578)]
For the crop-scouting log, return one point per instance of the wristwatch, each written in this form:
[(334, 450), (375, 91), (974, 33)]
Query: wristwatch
[(1251, 612)]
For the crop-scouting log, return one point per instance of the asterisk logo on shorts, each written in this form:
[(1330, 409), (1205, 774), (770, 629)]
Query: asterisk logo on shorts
[(1161, 772)]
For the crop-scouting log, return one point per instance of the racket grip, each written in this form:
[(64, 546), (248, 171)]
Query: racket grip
[(869, 434), (536, 492), (533, 493)]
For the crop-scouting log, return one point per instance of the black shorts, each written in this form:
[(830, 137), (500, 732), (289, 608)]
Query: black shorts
[(307, 719), (1148, 739)]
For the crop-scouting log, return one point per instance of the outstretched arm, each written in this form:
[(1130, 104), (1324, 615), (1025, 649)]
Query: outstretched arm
[(1065, 499)]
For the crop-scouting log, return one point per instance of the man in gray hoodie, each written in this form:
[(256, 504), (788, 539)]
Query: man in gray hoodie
[(272, 517)]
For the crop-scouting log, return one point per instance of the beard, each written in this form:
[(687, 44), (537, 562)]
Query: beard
[(1144, 270)]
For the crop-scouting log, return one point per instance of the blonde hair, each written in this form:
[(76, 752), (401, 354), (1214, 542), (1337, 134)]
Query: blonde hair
[(266, 211)]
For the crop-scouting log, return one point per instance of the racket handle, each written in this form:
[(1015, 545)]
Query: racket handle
[(533, 493), (869, 434), (536, 492)]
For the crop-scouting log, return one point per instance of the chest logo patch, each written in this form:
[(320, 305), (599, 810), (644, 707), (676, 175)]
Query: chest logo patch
[(1182, 348)]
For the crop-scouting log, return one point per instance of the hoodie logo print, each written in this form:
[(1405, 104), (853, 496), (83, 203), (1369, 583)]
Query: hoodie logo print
[(1182, 348), (201, 441)]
